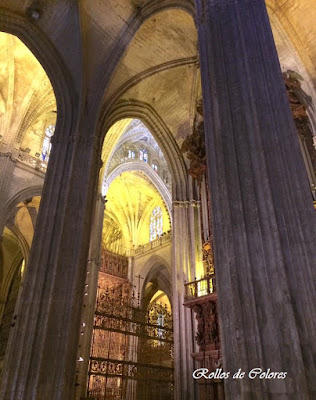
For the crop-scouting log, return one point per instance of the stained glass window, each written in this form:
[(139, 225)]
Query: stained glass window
[(131, 153), (154, 166), (156, 224), (143, 155), (46, 148)]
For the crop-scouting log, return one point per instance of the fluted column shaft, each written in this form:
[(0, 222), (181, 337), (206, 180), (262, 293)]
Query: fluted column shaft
[(90, 295), (41, 356), (181, 271), (263, 217)]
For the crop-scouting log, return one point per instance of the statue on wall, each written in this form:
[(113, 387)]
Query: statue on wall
[(194, 146), (300, 102), (207, 336)]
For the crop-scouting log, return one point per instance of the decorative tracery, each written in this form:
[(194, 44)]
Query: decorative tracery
[(46, 148), (131, 154), (143, 155), (156, 223)]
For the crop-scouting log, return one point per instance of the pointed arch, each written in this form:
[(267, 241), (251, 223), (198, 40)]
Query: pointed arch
[(142, 14), (22, 195), (49, 58), (164, 138), (148, 171), (159, 273)]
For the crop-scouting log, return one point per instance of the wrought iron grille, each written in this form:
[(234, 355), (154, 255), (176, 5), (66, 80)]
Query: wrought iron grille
[(132, 350)]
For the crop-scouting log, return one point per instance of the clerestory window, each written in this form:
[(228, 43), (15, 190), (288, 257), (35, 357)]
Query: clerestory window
[(47, 146), (131, 154), (143, 155), (156, 224)]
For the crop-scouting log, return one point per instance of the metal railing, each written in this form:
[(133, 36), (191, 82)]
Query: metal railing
[(165, 238), (25, 158), (201, 287)]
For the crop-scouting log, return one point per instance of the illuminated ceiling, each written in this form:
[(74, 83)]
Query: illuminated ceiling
[(155, 56), (27, 100), (130, 200), (156, 68), (112, 137)]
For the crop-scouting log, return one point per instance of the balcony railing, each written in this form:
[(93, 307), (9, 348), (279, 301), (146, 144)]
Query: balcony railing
[(24, 158), (200, 288), (165, 238)]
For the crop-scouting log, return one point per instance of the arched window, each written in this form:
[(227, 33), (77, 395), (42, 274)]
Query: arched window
[(161, 324), (154, 165), (156, 224), (46, 143), (143, 155), (131, 154)]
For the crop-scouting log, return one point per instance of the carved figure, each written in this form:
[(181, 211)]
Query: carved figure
[(207, 330), (194, 146)]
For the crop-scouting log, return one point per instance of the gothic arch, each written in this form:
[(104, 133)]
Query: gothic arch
[(24, 247), (143, 13), (159, 272), (277, 17), (21, 196), (145, 74), (163, 136), (46, 54), (148, 171)]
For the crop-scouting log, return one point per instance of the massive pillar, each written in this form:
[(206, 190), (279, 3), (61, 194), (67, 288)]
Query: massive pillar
[(41, 355), (90, 295), (182, 324), (263, 217)]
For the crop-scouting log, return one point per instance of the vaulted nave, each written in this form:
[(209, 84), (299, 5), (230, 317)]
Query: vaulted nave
[(157, 199)]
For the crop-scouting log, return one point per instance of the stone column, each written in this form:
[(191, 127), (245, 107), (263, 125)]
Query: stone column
[(41, 356), (263, 217), (197, 269), (89, 302), (7, 165), (182, 323)]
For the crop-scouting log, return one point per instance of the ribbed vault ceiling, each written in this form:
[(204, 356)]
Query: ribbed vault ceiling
[(27, 100), (130, 200)]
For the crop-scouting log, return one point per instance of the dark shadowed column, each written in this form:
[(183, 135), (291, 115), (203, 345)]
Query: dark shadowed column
[(263, 217), (41, 358), (91, 288)]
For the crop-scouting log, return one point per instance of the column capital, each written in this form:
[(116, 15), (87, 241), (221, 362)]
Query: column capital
[(180, 203), (195, 203)]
